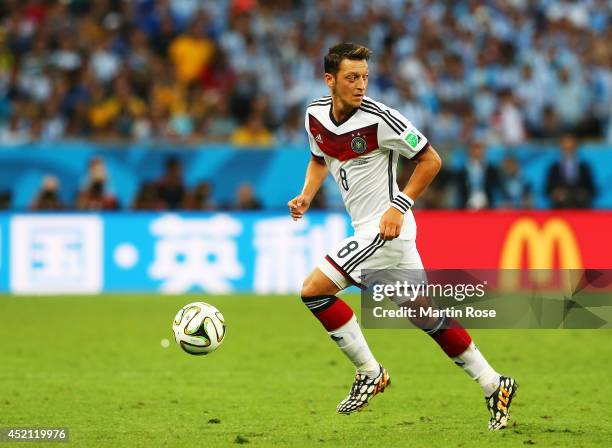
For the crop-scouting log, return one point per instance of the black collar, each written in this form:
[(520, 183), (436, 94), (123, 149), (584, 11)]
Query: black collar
[(344, 120)]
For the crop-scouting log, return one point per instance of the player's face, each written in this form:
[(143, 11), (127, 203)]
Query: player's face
[(350, 83)]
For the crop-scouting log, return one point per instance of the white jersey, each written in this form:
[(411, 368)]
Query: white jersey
[(361, 153)]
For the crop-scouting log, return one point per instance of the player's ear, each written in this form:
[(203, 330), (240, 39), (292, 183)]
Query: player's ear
[(330, 80)]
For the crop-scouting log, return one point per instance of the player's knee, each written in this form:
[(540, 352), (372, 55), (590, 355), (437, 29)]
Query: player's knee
[(309, 289), (317, 284)]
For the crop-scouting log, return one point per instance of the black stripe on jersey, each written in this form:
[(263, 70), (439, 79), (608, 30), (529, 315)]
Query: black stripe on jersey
[(350, 264), (387, 112), (321, 101), (361, 251), (365, 255), (367, 109), (344, 273), (391, 179)]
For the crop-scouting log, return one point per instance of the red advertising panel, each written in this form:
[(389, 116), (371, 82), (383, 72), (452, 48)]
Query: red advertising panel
[(515, 240)]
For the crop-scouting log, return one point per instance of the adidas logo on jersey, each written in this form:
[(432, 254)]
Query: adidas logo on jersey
[(319, 139)]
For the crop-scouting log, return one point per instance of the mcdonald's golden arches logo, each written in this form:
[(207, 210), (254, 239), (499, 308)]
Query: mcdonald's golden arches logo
[(541, 243)]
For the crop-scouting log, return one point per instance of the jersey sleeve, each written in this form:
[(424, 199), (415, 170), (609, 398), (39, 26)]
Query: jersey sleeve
[(314, 147), (396, 133)]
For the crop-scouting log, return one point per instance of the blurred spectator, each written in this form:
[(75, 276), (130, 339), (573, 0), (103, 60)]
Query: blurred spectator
[(191, 51), (550, 126), (181, 125), (35, 77), (95, 196), (485, 104), (253, 133), (54, 124), (5, 200), (436, 197), (163, 34), (570, 99), (531, 92), (220, 124), (116, 114), (478, 182), (218, 77), (412, 108), (200, 198), (66, 58), (170, 188), (105, 63), (447, 127), (47, 197), (15, 132), (508, 121), (245, 198), (515, 191), (570, 183), (292, 131), (166, 92), (148, 198)]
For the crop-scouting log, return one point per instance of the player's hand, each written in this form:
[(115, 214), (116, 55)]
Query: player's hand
[(391, 224), (298, 206)]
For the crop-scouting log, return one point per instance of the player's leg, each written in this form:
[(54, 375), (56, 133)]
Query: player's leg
[(319, 294), (458, 345)]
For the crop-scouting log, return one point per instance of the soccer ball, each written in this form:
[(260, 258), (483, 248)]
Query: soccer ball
[(199, 328)]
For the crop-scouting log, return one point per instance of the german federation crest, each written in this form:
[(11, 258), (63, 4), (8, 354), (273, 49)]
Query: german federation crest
[(359, 145)]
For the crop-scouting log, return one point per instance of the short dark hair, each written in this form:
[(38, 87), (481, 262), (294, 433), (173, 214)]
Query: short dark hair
[(345, 50)]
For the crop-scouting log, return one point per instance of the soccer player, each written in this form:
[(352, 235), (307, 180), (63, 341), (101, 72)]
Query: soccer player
[(359, 141)]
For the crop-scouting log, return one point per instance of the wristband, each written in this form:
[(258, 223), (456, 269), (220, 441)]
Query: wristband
[(402, 202)]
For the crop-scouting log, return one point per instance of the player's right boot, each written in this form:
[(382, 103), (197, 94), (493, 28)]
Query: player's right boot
[(499, 402), (363, 389)]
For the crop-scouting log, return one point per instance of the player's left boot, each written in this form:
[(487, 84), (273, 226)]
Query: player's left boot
[(363, 389), (499, 402)]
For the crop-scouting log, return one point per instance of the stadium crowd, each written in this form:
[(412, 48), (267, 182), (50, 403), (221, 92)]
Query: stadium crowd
[(242, 71), (477, 185), (166, 193)]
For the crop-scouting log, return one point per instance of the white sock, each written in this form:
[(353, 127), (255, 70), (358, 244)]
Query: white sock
[(352, 343), (477, 367)]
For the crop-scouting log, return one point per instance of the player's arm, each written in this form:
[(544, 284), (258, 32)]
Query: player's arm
[(396, 133), (428, 165), (315, 176)]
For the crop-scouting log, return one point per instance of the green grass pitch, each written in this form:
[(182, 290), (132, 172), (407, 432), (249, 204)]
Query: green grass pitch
[(96, 366)]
